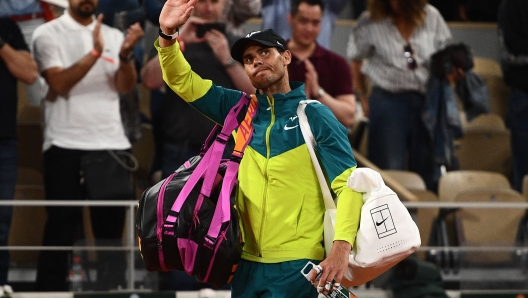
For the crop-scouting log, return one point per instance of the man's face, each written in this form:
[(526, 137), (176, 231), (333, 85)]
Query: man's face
[(210, 10), (264, 65), (306, 23), (83, 8)]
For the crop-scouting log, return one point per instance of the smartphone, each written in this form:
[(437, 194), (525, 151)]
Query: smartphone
[(202, 28)]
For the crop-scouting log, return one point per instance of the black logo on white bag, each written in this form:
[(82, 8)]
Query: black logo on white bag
[(382, 218)]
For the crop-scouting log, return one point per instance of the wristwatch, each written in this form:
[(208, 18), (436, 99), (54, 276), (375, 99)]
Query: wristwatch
[(168, 36), (2, 43), (230, 62), (128, 58), (320, 92)]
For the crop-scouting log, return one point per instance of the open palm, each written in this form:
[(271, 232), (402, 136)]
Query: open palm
[(175, 13)]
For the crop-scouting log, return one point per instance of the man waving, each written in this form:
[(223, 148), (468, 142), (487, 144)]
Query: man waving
[(279, 198)]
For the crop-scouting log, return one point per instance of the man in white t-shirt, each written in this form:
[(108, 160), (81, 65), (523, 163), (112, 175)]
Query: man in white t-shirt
[(85, 64)]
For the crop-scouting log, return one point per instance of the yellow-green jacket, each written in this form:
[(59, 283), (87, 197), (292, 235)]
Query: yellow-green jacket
[(279, 198)]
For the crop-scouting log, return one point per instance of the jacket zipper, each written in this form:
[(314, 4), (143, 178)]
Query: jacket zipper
[(272, 122)]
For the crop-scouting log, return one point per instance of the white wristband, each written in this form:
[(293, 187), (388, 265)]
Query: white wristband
[(168, 36)]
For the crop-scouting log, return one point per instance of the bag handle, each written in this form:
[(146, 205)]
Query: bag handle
[(210, 139), (230, 124), (310, 142), (217, 148)]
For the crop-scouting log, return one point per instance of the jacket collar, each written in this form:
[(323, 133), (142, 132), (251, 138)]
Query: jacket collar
[(296, 92)]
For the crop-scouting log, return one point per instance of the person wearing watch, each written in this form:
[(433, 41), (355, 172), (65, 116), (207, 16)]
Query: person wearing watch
[(86, 65), (326, 74), (214, 41), (210, 57)]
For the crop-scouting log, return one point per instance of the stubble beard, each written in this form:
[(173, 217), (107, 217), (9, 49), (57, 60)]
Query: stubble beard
[(269, 82), (84, 12)]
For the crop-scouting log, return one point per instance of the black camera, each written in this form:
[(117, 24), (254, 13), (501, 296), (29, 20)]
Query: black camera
[(453, 56)]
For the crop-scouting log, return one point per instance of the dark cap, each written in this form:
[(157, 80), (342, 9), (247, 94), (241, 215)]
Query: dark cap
[(268, 38)]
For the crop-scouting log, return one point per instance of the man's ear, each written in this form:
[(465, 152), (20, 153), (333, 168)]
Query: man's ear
[(287, 57), (289, 17)]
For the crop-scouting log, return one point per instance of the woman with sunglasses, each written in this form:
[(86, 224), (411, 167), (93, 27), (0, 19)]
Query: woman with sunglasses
[(391, 46)]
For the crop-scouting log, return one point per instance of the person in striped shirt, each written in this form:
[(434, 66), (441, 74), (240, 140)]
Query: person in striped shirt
[(391, 45)]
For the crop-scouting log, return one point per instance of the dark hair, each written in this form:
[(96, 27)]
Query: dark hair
[(295, 5), (412, 10)]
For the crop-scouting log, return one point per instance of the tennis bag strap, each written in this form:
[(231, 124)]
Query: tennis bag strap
[(208, 166), (208, 170), (222, 212)]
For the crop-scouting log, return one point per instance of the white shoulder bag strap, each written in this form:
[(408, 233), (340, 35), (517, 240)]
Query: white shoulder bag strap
[(310, 142), (330, 206)]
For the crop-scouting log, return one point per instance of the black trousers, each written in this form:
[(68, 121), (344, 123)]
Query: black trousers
[(62, 182)]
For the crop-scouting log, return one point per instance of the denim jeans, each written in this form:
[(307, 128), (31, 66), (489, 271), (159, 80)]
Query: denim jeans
[(397, 137), (518, 124), (8, 173)]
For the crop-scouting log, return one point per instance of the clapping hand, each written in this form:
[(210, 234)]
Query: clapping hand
[(312, 80), (98, 36), (134, 34)]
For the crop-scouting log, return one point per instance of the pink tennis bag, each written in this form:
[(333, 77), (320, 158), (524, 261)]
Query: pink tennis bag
[(188, 221)]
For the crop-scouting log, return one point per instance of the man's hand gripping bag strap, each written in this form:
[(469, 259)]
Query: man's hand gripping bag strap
[(387, 234)]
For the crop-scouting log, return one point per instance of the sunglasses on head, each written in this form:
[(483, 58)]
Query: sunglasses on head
[(409, 56)]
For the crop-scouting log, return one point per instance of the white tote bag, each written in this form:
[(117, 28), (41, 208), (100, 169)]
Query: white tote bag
[(387, 234)]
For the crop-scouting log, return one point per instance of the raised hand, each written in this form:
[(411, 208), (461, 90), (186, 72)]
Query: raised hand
[(97, 35), (174, 14)]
